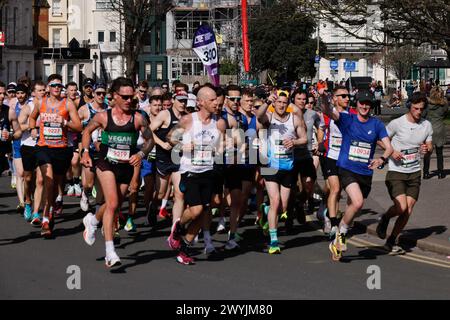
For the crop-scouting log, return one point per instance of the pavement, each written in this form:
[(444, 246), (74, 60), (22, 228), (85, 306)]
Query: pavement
[(428, 227)]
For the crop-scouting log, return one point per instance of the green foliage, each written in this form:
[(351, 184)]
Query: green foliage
[(281, 41), (228, 67)]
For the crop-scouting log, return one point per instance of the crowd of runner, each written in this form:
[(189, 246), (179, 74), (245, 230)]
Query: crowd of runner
[(216, 152)]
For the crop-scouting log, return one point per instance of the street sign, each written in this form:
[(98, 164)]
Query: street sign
[(2, 38), (317, 59), (350, 66), (334, 64)]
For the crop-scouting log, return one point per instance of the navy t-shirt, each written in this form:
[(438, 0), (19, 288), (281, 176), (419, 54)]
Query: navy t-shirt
[(359, 140)]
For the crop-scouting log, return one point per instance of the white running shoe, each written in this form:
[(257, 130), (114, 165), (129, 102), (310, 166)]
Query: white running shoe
[(89, 229), (221, 225), (112, 260), (84, 202), (77, 190), (231, 245), (71, 191)]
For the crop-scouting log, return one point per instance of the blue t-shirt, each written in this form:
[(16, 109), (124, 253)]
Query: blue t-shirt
[(359, 140)]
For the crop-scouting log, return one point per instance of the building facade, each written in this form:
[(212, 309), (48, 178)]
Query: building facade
[(17, 55)]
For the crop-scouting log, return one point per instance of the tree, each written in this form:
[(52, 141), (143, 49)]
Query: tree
[(281, 41), (139, 17), (228, 67), (401, 59), (408, 21)]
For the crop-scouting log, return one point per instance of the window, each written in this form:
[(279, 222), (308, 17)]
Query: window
[(148, 71), (159, 71), (56, 8), (186, 69), (112, 36), (198, 68), (103, 4), (188, 22), (47, 71), (70, 72), (59, 69), (57, 38), (101, 36)]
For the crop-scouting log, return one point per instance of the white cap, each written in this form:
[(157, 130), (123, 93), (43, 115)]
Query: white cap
[(192, 101)]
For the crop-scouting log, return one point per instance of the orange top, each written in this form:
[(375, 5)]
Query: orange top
[(52, 133), (272, 108)]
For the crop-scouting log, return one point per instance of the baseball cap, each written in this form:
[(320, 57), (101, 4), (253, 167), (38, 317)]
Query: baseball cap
[(99, 86), (181, 95), (192, 101), (365, 95), (22, 87), (12, 86), (88, 82)]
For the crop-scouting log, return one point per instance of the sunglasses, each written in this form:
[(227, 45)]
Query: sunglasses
[(142, 91), (11, 91), (109, 98), (344, 96), (56, 85), (126, 97), (234, 99), (101, 93), (257, 106)]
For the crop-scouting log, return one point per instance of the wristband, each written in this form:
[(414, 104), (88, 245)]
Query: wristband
[(383, 158), (84, 150)]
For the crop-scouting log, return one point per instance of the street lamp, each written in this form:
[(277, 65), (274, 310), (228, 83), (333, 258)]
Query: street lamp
[(95, 66)]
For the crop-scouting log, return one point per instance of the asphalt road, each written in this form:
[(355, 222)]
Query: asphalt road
[(35, 268)]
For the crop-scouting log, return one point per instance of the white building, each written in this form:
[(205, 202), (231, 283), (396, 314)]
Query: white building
[(17, 56), (84, 41)]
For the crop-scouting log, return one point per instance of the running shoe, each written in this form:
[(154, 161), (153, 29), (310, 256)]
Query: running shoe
[(185, 259), (284, 216), (221, 226), (274, 248), (89, 229), (84, 202), (231, 245), (326, 225), (20, 208), (209, 248), (46, 231), (116, 238), (333, 232), (77, 190), (122, 220), (36, 219), (13, 181), (57, 210), (336, 254), (174, 239), (130, 226), (382, 227), (71, 191), (163, 213), (112, 260), (393, 249), (341, 242), (27, 212)]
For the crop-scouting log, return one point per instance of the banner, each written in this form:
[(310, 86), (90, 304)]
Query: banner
[(245, 36), (206, 49)]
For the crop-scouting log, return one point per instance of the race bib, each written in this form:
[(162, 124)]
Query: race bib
[(280, 151), (118, 154), (335, 143), (359, 151), (411, 157), (203, 155), (52, 133)]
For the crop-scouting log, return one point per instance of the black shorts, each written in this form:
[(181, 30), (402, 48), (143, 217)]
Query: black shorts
[(197, 188), (122, 171), (331, 168), (59, 158), (219, 179), (283, 177), (305, 168), (29, 160), (165, 168), (347, 177), (235, 175), (399, 183)]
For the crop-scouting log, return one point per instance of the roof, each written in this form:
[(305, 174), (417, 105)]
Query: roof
[(434, 64)]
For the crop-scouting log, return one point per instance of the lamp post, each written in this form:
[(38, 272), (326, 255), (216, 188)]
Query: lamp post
[(95, 66)]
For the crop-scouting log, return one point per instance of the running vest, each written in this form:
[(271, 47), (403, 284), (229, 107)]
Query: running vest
[(17, 143), (251, 142), (5, 146), (162, 154), (334, 140), (95, 135), (27, 139), (119, 142), (52, 134), (280, 157), (204, 138), (242, 123)]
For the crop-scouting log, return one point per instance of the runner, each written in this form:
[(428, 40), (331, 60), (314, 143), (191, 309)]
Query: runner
[(142, 94), (118, 157), (86, 113), (166, 101), (165, 167), (411, 138), (285, 132), (52, 152), (28, 151), (87, 96), (360, 134), (201, 136)]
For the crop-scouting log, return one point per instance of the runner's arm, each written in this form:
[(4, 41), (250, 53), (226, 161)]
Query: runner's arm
[(23, 117), (148, 137), (155, 125), (15, 124), (326, 107), (74, 124), (35, 114), (388, 150), (300, 129), (175, 135), (261, 113), (98, 121)]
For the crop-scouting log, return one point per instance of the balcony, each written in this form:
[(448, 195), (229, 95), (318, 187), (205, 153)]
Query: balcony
[(352, 47)]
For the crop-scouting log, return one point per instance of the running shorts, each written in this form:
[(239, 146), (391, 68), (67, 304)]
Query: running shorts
[(122, 171), (347, 177), (286, 178), (197, 188), (164, 168), (59, 158), (305, 168), (16, 149), (399, 183), (331, 168), (28, 158), (235, 175), (146, 168)]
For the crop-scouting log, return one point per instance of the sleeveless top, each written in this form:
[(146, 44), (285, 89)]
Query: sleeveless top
[(279, 157), (205, 139), (27, 139), (162, 154), (52, 134), (118, 143)]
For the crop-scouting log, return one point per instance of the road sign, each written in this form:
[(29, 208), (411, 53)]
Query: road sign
[(317, 59), (350, 66), (334, 64)]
